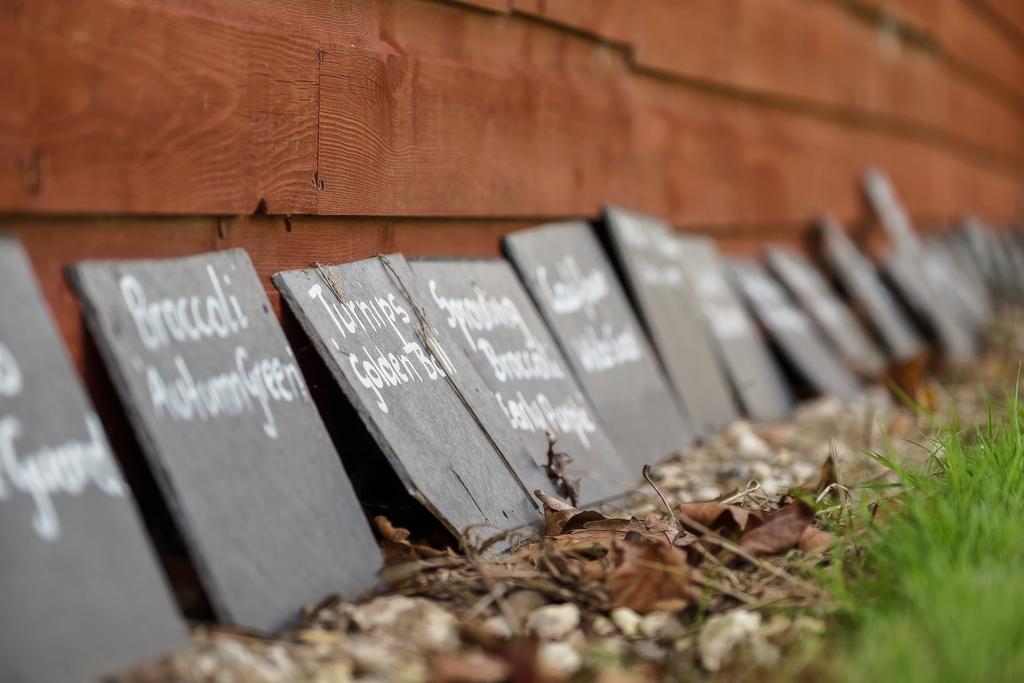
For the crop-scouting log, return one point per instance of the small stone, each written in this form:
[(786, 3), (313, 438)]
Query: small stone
[(558, 660), (722, 633), (417, 621), (660, 625), (603, 627), (708, 492), (805, 472), (762, 470), (554, 622), (496, 627), (627, 621), (749, 444)]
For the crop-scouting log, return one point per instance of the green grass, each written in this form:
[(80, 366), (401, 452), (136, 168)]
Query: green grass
[(935, 591)]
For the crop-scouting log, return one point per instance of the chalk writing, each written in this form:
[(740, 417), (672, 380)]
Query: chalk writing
[(251, 384), (67, 468), (483, 313), (655, 242), (717, 303), (599, 347), (183, 319), (380, 370)]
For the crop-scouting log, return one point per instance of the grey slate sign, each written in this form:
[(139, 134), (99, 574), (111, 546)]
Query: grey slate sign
[(224, 417), (967, 296), (860, 280), (756, 376), (493, 320), (650, 257), (921, 284), (417, 393), (794, 333), (891, 214), (834, 318), (81, 588), (576, 290)]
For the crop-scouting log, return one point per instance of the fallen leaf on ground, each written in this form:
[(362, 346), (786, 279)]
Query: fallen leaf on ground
[(721, 518), (556, 513), (396, 546), (557, 472), (780, 531), (814, 540), (649, 576)]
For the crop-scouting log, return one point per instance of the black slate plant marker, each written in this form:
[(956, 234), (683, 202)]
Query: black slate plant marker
[(417, 393), (833, 317), (491, 317), (929, 289), (860, 280), (919, 284), (81, 591), (224, 417), (576, 290), (650, 255), (794, 333), (756, 377)]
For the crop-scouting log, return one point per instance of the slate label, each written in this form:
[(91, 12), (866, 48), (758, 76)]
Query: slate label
[(82, 592), (755, 375), (794, 333), (860, 280), (835, 320), (417, 392), (926, 287), (577, 292), (651, 259), (491, 317), (921, 285), (224, 416)]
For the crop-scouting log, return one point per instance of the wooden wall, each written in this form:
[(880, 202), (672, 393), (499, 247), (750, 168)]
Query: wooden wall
[(337, 129)]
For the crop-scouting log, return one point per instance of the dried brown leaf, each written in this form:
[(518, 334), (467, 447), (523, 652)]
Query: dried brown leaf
[(780, 531), (814, 540), (557, 472), (649, 576), (721, 518), (556, 513), (583, 520), (396, 546)]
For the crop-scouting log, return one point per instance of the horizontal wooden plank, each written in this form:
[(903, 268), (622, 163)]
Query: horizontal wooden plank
[(128, 109), (961, 32), (394, 129), (1009, 11), (815, 53)]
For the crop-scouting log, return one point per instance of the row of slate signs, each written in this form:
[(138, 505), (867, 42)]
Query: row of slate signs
[(459, 370)]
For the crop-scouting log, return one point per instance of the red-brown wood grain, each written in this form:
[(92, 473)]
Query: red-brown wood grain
[(963, 31), (1009, 11), (393, 130), (111, 108), (810, 51)]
